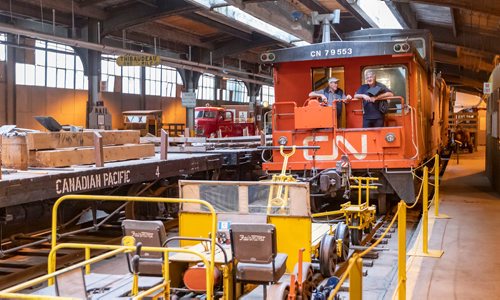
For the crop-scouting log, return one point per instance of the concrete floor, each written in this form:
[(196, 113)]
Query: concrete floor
[(469, 267)]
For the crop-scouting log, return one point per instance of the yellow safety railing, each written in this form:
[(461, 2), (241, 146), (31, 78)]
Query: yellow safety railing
[(12, 292), (354, 268), (213, 225)]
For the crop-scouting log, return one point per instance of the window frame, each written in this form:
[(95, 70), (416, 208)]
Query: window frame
[(407, 84)]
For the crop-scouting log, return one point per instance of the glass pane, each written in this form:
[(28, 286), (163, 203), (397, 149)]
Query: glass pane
[(61, 60), (40, 57), (258, 196), (110, 86), (51, 77), (60, 78), (20, 74), (70, 79), (40, 76), (70, 62), (224, 198), (30, 75), (79, 80), (79, 65), (392, 77), (137, 87), (125, 84), (51, 59)]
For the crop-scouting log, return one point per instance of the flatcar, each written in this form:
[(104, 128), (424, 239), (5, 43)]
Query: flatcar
[(414, 126)]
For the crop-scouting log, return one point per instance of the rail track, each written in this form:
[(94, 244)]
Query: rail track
[(24, 256)]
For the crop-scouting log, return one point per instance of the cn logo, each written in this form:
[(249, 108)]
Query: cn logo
[(339, 140)]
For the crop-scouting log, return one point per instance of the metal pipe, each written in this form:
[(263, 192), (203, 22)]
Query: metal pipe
[(173, 62)]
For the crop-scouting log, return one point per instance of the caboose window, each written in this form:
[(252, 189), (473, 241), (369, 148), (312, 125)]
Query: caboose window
[(396, 79)]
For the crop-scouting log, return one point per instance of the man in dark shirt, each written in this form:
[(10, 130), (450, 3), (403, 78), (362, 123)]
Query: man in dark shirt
[(331, 93), (371, 92)]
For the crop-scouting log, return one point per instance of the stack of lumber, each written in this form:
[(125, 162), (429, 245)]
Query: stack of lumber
[(60, 149)]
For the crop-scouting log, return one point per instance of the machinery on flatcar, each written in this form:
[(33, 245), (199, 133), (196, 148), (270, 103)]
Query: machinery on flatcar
[(414, 125)]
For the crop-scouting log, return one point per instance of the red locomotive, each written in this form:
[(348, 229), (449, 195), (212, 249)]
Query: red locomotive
[(414, 124)]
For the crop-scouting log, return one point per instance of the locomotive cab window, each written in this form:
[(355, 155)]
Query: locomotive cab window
[(394, 78)]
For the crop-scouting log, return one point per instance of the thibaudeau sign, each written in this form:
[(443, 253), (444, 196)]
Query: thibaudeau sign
[(138, 60)]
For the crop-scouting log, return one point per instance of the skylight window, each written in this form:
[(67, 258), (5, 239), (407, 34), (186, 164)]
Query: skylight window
[(379, 13), (237, 14)]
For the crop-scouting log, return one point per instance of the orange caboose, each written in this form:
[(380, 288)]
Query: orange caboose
[(412, 131)]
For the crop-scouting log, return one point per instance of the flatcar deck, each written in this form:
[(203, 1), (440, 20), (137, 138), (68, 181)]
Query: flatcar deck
[(20, 187)]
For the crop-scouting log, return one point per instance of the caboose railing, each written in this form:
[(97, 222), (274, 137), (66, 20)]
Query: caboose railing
[(277, 114)]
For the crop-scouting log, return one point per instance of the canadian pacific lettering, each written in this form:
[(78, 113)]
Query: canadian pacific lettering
[(93, 181)]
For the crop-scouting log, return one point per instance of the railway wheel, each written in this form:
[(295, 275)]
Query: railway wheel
[(342, 233), (278, 291), (308, 285), (356, 234), (327, 255)]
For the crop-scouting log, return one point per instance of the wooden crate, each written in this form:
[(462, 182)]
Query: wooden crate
[(14, 152)]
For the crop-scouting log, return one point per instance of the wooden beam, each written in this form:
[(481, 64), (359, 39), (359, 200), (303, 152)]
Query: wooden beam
[(64, 139), (212, 21), (82, 156), (457, 70), (454, 21), (234, 46), (65, 7), (313, 5), (138, 13), (470, 40), (170, 34), (164, 145), (467, 62), (486, 7), (98, 150)]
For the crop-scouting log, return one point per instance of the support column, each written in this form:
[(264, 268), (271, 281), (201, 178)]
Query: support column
[(253, 105), (190, 79), (94, 68), (10, 83), (142, 104)]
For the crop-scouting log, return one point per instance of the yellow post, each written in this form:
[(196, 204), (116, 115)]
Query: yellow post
[(425, 212), (135, 284), (436, 185), (367, 192), (87, 257), (425, 221), (356, 278), (437, 215), (166, 276), (360, 186), (402, 250)]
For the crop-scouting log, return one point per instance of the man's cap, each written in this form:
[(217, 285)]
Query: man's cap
[(333, 79)]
